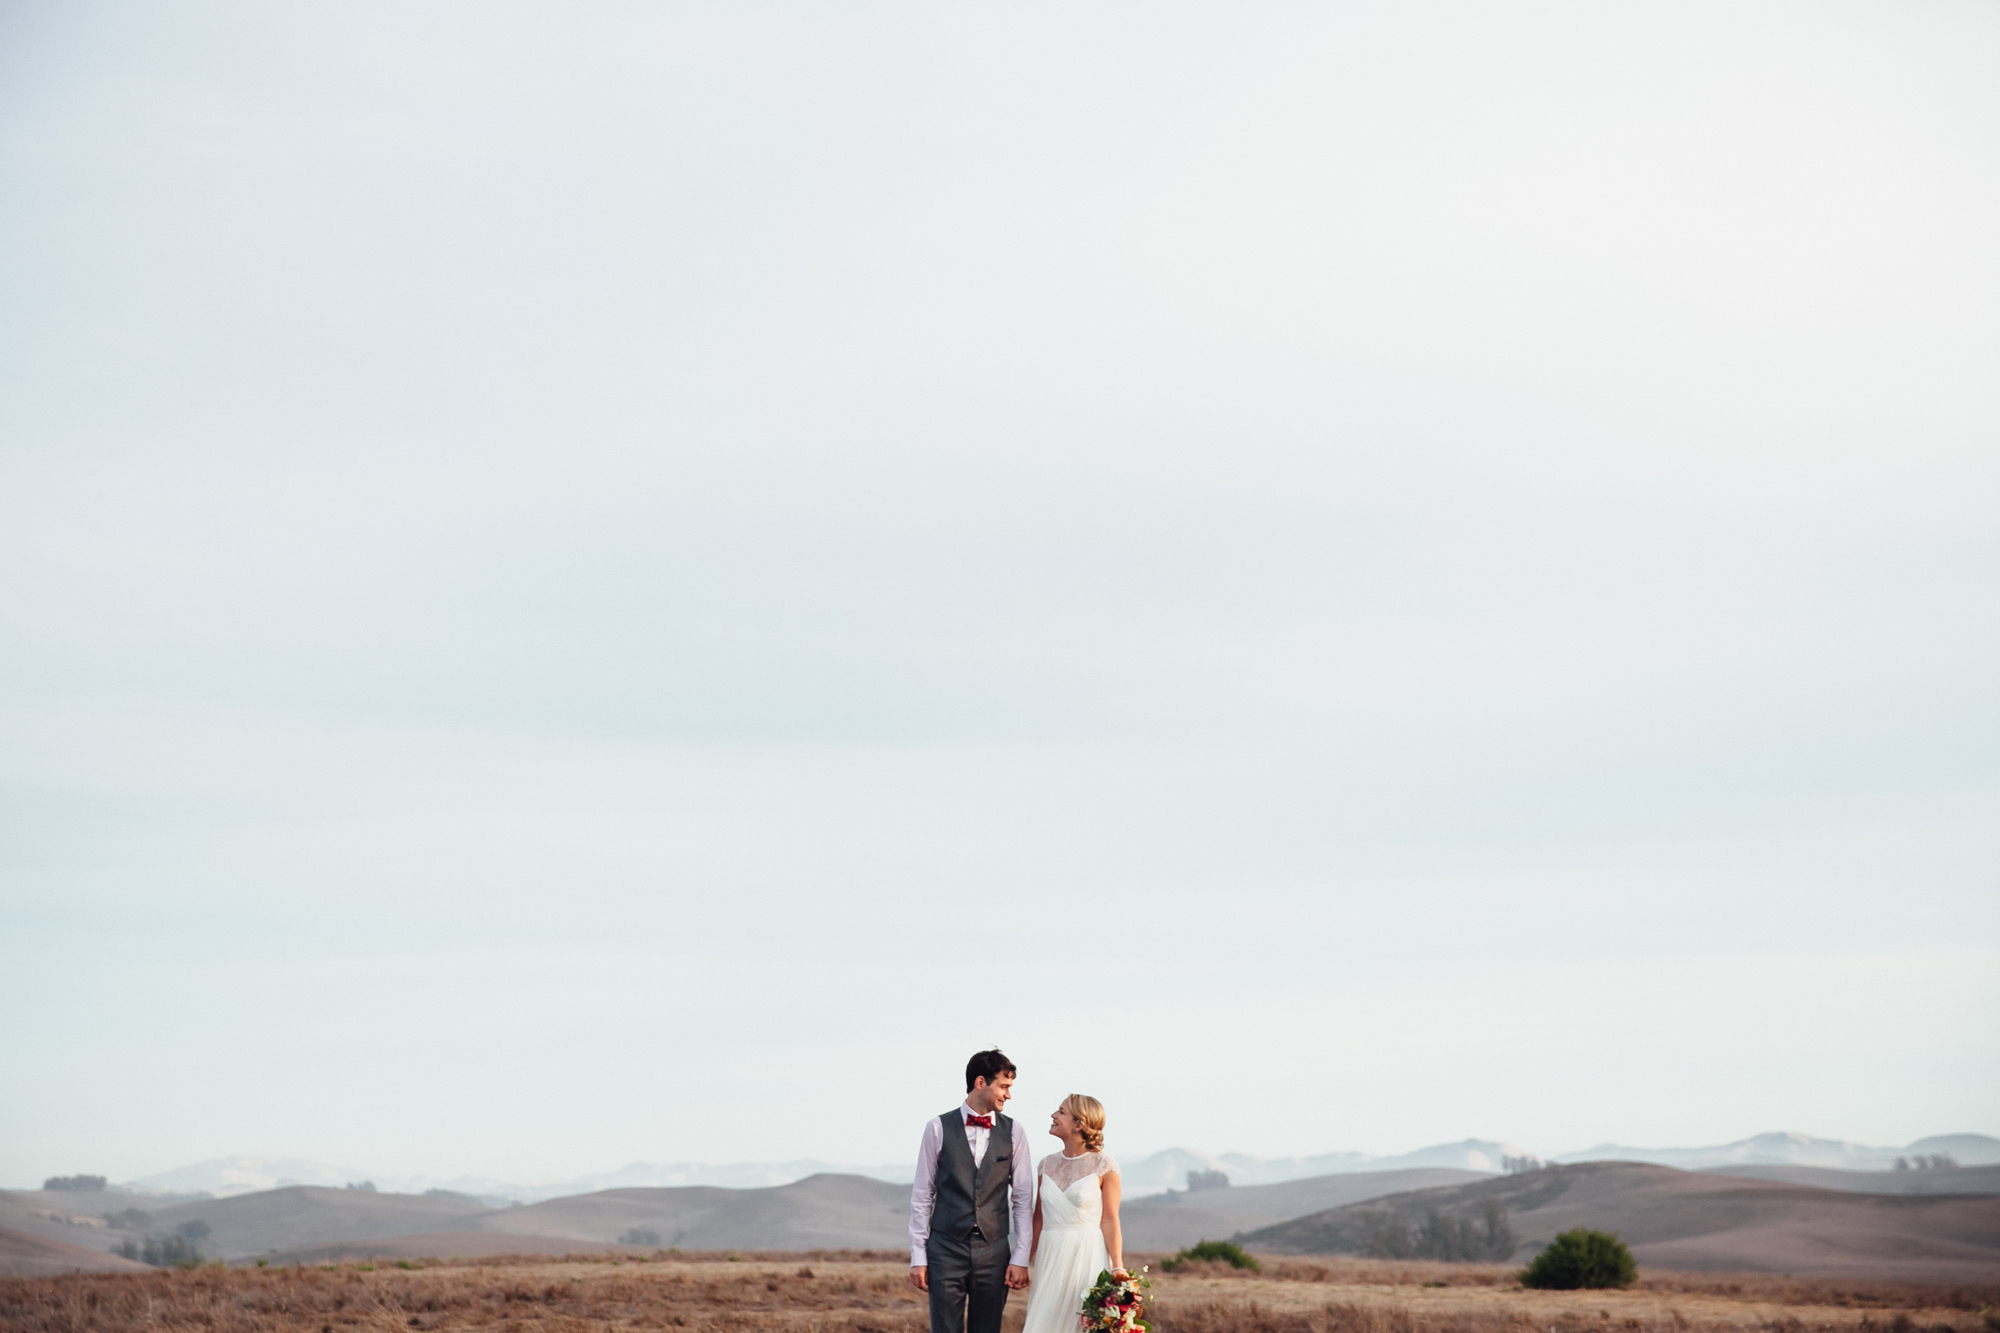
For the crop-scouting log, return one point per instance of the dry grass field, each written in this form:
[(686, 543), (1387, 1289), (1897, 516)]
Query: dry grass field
[(869, 1293)]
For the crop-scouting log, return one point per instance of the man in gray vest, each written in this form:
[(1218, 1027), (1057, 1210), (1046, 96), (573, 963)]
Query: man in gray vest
[(972, 1207)]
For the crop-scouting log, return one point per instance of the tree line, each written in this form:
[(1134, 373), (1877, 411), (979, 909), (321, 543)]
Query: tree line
[(1456, 1240)]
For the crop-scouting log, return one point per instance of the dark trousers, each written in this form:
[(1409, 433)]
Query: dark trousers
[(968, 1284)]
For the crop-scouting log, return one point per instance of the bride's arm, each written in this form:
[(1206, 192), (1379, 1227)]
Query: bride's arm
[(1114, 1234), (1035, 1238)]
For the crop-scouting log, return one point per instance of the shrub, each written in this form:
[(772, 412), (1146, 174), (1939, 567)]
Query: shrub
[(1582, 1258), (639, 1236), (1227, 1251)]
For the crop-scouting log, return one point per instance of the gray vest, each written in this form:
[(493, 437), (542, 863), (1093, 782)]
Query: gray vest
[(973, 1198)]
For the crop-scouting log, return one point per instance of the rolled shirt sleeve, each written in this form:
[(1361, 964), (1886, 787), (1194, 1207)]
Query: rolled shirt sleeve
[(923, 1194), (1024, 1197)]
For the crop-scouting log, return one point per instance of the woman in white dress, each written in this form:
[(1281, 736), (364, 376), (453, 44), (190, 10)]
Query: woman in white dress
[(1076, 1233)]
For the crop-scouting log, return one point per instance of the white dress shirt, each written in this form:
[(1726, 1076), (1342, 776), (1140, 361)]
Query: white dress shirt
[(923, 1195)]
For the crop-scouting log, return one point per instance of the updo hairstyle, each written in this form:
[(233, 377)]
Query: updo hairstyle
[(1088, 1113)]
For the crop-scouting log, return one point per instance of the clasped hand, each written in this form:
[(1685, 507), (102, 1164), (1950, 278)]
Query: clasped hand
[(1017, 1277)]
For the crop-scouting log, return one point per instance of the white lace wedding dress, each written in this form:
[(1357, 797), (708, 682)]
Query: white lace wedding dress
[(1072, 1252)]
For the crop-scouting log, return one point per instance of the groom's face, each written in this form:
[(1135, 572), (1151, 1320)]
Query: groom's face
[(993, 1095)]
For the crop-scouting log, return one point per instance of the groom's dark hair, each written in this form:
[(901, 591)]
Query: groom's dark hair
[(988, 1065)]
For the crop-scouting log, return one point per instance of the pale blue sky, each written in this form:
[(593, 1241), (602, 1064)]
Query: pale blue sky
[(1339, 577)]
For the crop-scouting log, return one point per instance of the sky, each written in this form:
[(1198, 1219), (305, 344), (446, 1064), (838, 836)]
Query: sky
[(632, 583)]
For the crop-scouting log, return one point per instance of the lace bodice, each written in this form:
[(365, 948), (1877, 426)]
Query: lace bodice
[(1066, 1171)]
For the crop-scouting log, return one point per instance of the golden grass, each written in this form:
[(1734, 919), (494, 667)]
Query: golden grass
[(1771, 1288), (830, 1293)]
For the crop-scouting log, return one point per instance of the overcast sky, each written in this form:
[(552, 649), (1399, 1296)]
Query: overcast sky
[(633, 582)]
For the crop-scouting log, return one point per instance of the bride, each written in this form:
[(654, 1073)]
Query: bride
[(1076, 1234)]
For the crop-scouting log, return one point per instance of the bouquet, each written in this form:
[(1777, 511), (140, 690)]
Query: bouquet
[(1117, 1304)]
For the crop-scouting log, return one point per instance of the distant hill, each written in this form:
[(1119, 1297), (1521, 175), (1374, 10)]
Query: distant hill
[(1789, 1149), (1968, 1149), (224, 1177), (1170, 1221), (1690, 1220), (1938, 1180), (1884, 1224), (1154, 1173), (250, 1224), (1168, 1170), (73, 1217), (24, 1254), (446, 1245), (820, 1212)]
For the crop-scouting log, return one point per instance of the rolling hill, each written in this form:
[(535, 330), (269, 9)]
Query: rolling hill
[(251, 1224), (1790, 1218), (819, 1212), (70, 1217), (25, 1254), (445, 1245), (1693, 1220), (1940, 1180), (1170, 1221)]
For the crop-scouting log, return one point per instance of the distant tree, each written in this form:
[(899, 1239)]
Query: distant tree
[(1515, 1166), (1452, 1239), (130, 1219), (196, 1230), (1902, 1163), (640, 1236), (1500, 1239), (1388, 1238), (1441, 1237), (1581, 1258), (1207, 1180), (81, 1183), (365, 1186), (166, 1252), (454, 1195)]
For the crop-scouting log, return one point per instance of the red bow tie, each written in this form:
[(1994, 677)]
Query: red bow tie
[(983, 1121)]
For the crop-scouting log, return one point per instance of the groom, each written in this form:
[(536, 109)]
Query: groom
[(970, 1160)]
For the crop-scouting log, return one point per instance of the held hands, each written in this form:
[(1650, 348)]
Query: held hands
[(1017, 1277)]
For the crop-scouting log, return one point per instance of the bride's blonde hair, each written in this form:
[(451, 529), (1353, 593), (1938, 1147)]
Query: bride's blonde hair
[(1088, 1113)]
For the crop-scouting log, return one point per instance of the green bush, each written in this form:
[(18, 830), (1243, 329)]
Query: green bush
[(1582, 1258), (1227, 1251)]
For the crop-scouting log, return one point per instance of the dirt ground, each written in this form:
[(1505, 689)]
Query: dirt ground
[(825, 1294)]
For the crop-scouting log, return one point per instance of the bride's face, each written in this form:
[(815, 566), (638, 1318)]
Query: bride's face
[(1062, 1124)]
